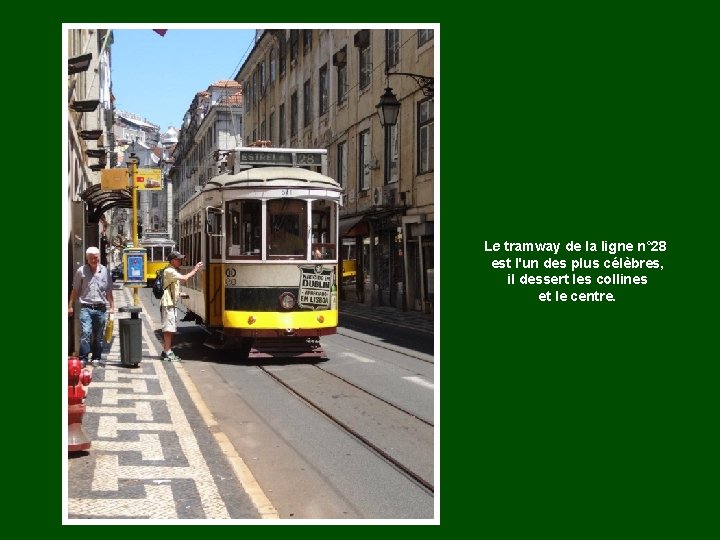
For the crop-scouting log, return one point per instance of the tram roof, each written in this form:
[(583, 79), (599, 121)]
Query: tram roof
[(272, 177)]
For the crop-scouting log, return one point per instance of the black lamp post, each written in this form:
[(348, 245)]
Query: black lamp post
[(388, 110)]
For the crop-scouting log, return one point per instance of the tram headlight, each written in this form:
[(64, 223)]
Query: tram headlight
[(286, 301)]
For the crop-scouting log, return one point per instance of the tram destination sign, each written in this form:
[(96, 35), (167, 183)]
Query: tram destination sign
[(287, 159)]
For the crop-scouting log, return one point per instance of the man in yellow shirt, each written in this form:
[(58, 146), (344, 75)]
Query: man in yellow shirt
[(168, 303)]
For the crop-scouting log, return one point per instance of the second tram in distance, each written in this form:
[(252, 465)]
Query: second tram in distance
[(266, 232), (158, 246)]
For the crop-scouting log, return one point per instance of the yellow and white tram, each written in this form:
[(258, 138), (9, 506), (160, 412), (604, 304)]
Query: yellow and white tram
[(266, 232), (158, 246)]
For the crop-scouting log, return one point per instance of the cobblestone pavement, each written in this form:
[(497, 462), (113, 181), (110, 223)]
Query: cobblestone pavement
[(154, 453)]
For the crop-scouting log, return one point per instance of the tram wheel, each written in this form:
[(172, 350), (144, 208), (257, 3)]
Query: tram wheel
[(244, 350)]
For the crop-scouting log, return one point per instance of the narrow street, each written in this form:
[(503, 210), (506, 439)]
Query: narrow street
[(350, 437)]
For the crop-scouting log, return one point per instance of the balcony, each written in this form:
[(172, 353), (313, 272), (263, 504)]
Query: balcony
[(79, 64), (91, 134), (96, 153), (85, 106)]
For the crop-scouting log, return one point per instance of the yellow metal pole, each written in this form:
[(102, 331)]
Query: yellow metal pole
[(136, 243)]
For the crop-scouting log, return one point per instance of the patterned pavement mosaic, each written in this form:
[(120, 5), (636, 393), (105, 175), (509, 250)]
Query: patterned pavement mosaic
[(153, 455)]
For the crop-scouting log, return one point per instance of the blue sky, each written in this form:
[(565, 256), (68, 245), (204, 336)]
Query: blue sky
[(157, 77)]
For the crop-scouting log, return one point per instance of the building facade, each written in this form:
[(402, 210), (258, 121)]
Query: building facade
[(167, 143), (212, 127), (90, 141), (90, 149), (320, 88), (130, 128)]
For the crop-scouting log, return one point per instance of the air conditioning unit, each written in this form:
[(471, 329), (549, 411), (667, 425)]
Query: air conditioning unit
[(389, 195)]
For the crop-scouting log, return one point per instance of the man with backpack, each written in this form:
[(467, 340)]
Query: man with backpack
[(168, 304)]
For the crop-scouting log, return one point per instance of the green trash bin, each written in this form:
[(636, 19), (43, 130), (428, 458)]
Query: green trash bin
[(131, 337)]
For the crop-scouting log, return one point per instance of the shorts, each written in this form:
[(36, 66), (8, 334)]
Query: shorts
[(168, 316)]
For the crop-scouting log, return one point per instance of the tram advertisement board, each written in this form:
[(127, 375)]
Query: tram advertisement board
[(148, 179), (315, 284)]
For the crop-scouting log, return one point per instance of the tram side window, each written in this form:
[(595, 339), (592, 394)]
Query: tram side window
[(323, 246), (215, 230), (244, 228), (286, 228), (185, 236), (197, 221)]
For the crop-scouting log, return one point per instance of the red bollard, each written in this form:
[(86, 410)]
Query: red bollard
[(78, 377)]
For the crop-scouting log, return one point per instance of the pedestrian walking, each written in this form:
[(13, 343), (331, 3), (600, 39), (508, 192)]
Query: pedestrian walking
[(92, 285), (169, 301)]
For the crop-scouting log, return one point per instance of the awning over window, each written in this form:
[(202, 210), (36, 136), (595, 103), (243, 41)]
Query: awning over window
[(353, 226), (100, 200)]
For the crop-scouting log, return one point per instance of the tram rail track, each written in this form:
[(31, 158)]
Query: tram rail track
[(427, 422), (353, 432)]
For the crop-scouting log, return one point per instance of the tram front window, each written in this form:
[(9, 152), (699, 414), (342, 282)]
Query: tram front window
[(244, 228), (322, 245), (286, 227)]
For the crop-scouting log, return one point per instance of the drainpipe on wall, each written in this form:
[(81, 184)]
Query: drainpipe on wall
[(371, 264), (407, 222)]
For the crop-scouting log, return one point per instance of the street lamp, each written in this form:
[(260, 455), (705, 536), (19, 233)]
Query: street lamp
[(388, 109)]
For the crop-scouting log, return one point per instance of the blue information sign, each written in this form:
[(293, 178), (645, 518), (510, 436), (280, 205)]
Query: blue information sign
[(135, 266)]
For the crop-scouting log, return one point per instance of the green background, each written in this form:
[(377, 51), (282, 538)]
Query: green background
[(557, 123), (587, 419)]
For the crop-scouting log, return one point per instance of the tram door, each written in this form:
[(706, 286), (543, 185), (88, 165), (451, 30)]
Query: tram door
[(215, 271)]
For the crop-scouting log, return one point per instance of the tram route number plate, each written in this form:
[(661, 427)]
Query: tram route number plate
[(261, 157), (230, 279)]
